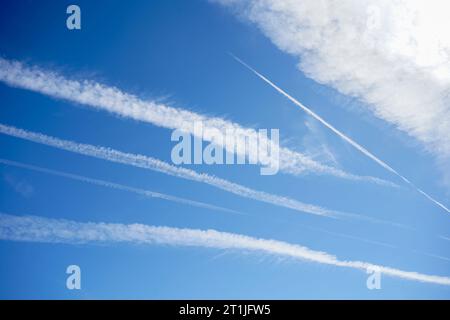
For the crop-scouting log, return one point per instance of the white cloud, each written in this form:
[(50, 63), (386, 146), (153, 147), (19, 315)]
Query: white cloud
[(113, 100), (40, 229), (392, 55)]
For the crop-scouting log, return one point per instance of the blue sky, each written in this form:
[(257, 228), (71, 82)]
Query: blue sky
[(177, 53)]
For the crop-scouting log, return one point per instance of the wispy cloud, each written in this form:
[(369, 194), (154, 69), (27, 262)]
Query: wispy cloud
[(40, 229), (343, 136), (150, 163), (112, 185), (113, 100)]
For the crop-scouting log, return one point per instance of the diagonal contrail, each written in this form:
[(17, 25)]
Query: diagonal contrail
[(145, 162), (117, 186), (353, 143)]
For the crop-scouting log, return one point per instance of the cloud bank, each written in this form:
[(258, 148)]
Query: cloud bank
[(392, 55), (40, 229)]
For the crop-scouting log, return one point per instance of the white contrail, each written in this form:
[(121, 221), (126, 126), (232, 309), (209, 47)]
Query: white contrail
[(158, 195), (103, 183), (40, 229), (356, 145), (146, 162), (113, 100)]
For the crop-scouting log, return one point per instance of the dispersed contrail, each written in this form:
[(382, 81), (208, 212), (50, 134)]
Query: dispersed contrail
[(354, 144), (47, 230), (111, 99), (108, 184), (150, 163)]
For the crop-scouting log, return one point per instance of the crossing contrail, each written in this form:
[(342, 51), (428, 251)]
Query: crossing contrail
[(353, 143)]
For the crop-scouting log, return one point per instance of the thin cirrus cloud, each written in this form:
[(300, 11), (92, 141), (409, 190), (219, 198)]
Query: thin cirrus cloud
[(341, 135), (47, 230), (150, 163), (394, 56), (113, 100), (117, 186)]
